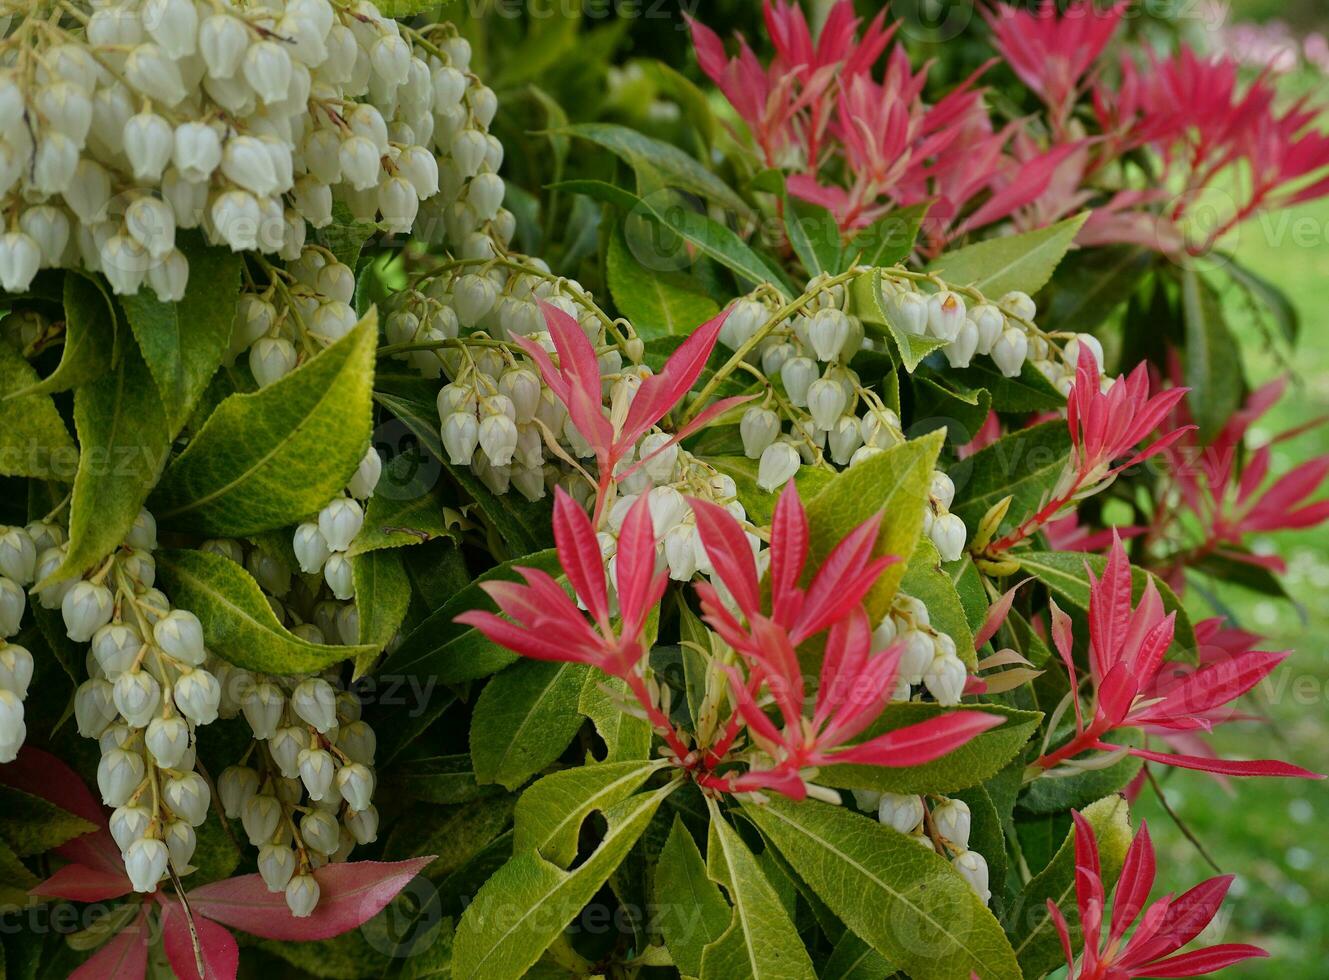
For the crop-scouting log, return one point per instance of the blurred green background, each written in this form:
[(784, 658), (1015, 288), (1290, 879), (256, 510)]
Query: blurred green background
[(1270, 833)]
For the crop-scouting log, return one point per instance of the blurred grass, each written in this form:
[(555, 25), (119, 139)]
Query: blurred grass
[(1270, 832)]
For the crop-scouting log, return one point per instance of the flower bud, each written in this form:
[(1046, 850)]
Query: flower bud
[(339, 522), (320, 831), (946, 315), (260, 816), (1019, 305), (461, 435), (181, 842), (168, 740), (778, 465), (829, 332), (15, 669), (137, 697), (310, 547), (358, 741), (363, 824), (94, 707), (268, 70), (188, 797), (286, 745), (180, 635), (198, 696), (881, 428), (13, 730), (474, 297), (945, 679), (156, 75), (1009, 351), (262, 706), (276, 864), (952, 820), (145, 863), (118, 775), (798, 373), (236, 786), (949, 534), (339, 575), (989, 323), (316, 771), (759, 429), (827, 402), (355, 782), (315, 702), (844, 439), (302, 896), (911, 313), (903, 813), (973, 868), (498, 439), (128, 824), (13, 602), (20, 257)]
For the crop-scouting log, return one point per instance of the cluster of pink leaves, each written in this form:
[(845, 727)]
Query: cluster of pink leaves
[(855, 681), (860, 145), (351, 894), (1194, 115), (1133, 685), (1164, 925)]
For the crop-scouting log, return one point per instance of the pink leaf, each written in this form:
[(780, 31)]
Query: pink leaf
[(125, 957), (1228, 767), (42, 774), (352, 894), (79, 883), (220, 954)]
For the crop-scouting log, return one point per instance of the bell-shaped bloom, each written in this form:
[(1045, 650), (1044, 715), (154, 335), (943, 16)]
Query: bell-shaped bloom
[(1164, 925), (1133, 685), (547, 625)]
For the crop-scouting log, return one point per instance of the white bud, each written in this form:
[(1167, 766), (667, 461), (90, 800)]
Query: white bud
[(145, 863), (398, 203), (20, 257), (13, 730), (15, 669), (340, 521), (235, 786), (118, 775), (973, 868), (260, 816), (911, 312), (86, 608), (94, 707), (128, 824), (340, 576), (363, 825), (152, 72), (271, 359), (949, 534), (829, 331), (952, 820), (758, 428), (844, 439), (276, 864), (358, 741), (315, 702), (168, 740), (198, 696), (236, 216), (945, 679), (268, 70), (13, 601), (302, 896), (137, 697), (222, 40), (904, 813), (989, 322), (173, 24), (316, 771), (18, 555), (826, 401), (474, 297), (461, 434), (181, 842), (798, 373), (1071, 352), (917, 655), (960, 351), (1019, 304), (419, 167), (355, 782), (262, 706), (1009, 351), (946, 315), (498, 438), (358, 159), (180, 635), (320, 831), (779, 464)]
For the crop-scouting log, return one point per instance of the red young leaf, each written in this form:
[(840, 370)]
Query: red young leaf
[(79, 883), (125, 957), (220, 954)]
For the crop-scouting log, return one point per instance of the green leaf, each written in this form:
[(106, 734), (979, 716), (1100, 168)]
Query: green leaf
[(1025, 465), (31, 825), (89, 337), (761, 942), (1270, 296), (551, 812), (450, 652), (33, 439), (346, 235), (124, 438), (1027, 392), (626, 736), (524, 719), (445, 780), (660, 164), (238, 624), (1022, 262), (814, 234), (894, 482), (692, 912), (267, 459), (406, 508), (853, 959), (1064, 573), (890, 238), (183, 343), (660, 303), (696, 106), (1091, 284), (382, 596), (758, 503), (908, 903), (1059, 793), (524, 906), (869, 303), (968, 582), (925, 579), (1211, 371), (977, 760), (709, 237), (940, 402), (525, 526), (1027, 921)]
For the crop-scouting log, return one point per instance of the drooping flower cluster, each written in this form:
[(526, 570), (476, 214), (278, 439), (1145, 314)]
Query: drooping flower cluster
[(322, 544), (19, 550), (152, 117), (940, 824)]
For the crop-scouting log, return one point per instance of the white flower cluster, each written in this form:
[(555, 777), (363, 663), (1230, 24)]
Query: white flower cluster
[(950, 825), (832, 418), (19, 547), (242, 119), (305, 307), (307, 800), (321, 545), (928, 657), (496, 415), (151, 685)]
